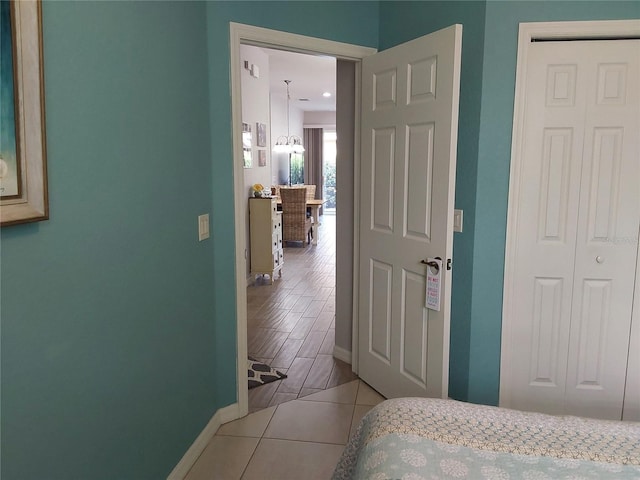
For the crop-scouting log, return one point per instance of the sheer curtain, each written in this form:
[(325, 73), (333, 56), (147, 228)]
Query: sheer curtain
[(313, 158)]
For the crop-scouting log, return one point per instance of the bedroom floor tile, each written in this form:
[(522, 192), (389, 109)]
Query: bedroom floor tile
[(311, 422), (288, 460), (298, 439), (367, 395), (225, 458)]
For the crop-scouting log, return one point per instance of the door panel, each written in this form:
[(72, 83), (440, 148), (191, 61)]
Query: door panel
[(414, 330), (546, 370), (380, 311), (418, 181), (383, 162), (409, 134), (555, 186)]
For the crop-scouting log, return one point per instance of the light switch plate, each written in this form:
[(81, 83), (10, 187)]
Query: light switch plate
[(457, 220), (203, 227)]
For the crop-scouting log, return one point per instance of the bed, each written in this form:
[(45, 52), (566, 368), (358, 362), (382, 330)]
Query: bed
[(429, 439)]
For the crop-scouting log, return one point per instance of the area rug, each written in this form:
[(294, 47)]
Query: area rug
[(260, 373)]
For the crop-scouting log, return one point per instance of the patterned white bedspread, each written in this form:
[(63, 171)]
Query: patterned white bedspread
[(429, 439)]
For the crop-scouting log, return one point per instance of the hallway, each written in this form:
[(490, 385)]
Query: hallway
[(290, 324)]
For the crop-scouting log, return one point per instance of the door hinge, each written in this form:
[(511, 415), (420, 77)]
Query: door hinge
[(448, 264)]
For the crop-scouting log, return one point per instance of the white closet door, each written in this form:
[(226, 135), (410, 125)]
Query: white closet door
[(608, 222), (578, 216), (631, 406)]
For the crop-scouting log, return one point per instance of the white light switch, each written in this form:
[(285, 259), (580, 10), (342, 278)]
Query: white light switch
[(457, 220), (203, 227)]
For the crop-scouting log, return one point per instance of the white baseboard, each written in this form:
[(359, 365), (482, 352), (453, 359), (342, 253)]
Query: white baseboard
[(342, 354), (222, 415)]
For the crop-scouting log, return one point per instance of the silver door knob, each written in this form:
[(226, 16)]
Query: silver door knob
[(599, 259)]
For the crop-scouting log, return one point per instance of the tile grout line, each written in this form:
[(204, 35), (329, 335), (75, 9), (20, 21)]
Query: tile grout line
[(244, 470)]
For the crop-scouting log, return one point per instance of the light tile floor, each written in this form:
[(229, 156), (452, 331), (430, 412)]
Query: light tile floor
[(297, 440)]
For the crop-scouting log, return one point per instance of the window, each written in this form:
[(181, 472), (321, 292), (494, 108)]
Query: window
[(296, 168), (329, 171)]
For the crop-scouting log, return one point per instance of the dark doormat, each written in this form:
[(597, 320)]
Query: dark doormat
[(260, 373)]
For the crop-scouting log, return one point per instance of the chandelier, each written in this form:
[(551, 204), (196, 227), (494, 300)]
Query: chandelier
[(288, 143)]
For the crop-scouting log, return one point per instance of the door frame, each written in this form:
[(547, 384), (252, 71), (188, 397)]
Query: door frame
[(528, 32), (264, 37)]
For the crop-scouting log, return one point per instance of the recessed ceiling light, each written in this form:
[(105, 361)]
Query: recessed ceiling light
[(326, 94)]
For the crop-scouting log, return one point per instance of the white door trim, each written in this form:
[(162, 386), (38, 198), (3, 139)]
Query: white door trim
[(527, 33), (264, 37), (355, 327)]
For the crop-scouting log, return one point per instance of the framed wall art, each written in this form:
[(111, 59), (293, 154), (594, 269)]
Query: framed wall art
[(261, 132), (23, 166), (246, 145)]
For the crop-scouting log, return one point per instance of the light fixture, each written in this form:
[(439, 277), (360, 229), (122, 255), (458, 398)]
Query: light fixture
[(326, 94), (288, 143)]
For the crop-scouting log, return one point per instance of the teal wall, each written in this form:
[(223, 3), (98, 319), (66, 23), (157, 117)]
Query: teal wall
[(349, 22), (118, 326), (107, 308), (402, 21), (494, 156)]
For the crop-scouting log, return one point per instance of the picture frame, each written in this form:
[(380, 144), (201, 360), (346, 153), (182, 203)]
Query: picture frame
[(261, 132), (23, 166), (262, 158), (246, 145)]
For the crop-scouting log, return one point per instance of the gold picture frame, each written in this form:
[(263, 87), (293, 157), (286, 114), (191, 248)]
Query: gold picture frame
[(30, 202)]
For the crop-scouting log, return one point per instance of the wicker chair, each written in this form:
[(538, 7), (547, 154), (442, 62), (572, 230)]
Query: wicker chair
[(311, 195), (296, 227), (311, 191)]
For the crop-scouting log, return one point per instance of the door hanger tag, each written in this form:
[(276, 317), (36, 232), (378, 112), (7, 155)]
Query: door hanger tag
[(434, 282)]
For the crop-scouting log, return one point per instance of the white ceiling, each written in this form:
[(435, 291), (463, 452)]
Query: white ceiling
[(310, 77)]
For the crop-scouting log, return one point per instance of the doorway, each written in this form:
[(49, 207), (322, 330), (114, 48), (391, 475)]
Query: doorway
[(243, 34), (290, 313)]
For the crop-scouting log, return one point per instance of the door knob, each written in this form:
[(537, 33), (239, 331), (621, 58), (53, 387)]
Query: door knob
[(599, 259)]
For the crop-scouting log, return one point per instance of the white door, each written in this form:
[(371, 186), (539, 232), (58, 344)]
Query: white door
[(409, 133), (578, 217)]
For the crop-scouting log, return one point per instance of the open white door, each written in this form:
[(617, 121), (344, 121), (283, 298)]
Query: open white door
[(409, 134)]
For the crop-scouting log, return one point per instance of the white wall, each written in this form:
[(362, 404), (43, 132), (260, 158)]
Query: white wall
[(320, 120), (255, 109), (346, 72)]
